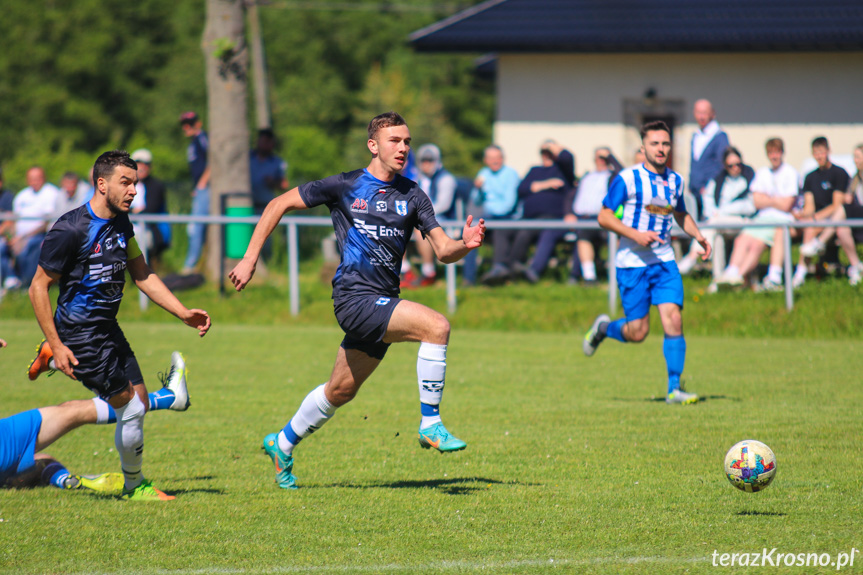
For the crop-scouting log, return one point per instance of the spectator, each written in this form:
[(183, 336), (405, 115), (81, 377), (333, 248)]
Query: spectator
[(7, 230), (154, 192), (584, 206), (774, 192), (37, 200), (268, 171), (823, 193), (440, 186), (851, 208), (542, 192), (495, 194), (196, 155), (70, 195), (708, 143), (727, 200)]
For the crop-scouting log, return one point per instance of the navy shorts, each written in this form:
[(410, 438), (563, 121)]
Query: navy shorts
[(106, 362), (649, 285), (364, 319), (18, 435)]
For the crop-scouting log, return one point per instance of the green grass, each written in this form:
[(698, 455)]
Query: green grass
[(828, 309), (570, 460)]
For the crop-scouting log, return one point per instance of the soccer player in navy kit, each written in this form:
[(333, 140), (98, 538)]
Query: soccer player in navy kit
[(649, 195), (87, 252), (374, 211)]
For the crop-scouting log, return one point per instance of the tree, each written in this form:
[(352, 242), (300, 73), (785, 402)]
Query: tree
[(227, 62)]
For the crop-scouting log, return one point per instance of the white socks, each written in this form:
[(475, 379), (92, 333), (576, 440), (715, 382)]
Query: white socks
[(129, 440), (312, 414), (588, 271), (774, 274), (103, 411), (431, 376)]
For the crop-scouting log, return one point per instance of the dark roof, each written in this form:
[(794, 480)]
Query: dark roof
[(648, 26)]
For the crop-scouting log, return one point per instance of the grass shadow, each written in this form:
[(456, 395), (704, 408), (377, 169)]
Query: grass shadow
[(760, 513), (454, 486)]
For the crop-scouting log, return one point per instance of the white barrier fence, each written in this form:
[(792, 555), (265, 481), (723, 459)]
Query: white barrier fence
[(453, 229)]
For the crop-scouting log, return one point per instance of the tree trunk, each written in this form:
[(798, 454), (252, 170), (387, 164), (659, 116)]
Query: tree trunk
[(227, 62)]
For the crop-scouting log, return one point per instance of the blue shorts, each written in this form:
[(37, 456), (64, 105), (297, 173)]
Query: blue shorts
[(641, 288), (364, 319), (18, 435)]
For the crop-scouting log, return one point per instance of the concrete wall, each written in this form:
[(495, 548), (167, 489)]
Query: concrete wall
[(582, 101)]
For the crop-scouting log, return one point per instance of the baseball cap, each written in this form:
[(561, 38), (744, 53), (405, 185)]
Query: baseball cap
[(143, 155), (188, 117)]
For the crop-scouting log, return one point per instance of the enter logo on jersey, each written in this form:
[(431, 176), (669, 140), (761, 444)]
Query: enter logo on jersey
[(377, 232), (658, 207), (360, 206), (402, 207)]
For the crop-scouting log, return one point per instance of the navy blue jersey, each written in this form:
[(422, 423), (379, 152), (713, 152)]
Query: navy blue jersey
[(373, 221), (90, 255)]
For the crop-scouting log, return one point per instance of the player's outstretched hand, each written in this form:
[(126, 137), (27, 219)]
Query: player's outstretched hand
[(64, 360), (705, 245), (199, 319), (473, 236), (2, 343), (242, 273)]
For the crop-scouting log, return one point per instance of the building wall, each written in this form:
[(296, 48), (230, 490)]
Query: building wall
[(581, 101)]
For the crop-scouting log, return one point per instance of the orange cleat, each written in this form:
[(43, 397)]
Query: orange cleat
[(40, 364)]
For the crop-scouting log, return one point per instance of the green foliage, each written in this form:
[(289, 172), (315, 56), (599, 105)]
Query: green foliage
[(77, 78), (573, 465)]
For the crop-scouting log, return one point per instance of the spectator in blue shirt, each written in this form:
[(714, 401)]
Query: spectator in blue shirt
[(708, 144), (495, 194), (196, 155), (267, 170)]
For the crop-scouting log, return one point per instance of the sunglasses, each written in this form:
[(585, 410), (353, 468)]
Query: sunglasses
[(729, 166)]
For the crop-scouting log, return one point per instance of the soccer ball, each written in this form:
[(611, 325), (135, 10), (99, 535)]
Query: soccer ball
[(750, 465)]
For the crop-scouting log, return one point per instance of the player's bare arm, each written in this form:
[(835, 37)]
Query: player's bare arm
[(152, 285), (687, 223), (278, 207), (64, 359), (449, 250), (610, 222)]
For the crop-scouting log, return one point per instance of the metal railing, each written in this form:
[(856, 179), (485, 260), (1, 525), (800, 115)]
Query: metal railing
[(453, 229)]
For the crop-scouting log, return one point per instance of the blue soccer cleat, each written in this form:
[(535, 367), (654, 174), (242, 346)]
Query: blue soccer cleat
[(284, 463), (438, 437)]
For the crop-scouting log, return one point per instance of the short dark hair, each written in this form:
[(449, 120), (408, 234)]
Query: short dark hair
[(108, 162), (820, 141), (385, 120), (71, 176), (656, 125), (731, 150), (267, 133)]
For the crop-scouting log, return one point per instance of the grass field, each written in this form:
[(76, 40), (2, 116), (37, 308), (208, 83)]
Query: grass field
[(573, 465)]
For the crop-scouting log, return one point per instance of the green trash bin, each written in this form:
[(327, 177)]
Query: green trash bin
[(237, 236)]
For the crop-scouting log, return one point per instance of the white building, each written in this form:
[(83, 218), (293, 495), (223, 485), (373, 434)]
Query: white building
[(590, 72)]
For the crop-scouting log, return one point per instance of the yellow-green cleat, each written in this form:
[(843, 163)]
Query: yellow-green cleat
[(111, 483), (145, 492)]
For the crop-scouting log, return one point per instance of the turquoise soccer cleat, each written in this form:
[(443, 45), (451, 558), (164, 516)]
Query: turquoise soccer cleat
[(438, 437), (284, 463)]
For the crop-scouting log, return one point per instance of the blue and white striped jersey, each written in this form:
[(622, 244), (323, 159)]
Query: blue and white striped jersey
[(648, 202)]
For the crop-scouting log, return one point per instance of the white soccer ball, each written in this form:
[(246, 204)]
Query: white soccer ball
[(750, 465)]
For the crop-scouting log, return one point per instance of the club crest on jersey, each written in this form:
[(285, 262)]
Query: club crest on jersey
[(402, 207), (658, 206), (360, 206), (381, 206), (121, 239)]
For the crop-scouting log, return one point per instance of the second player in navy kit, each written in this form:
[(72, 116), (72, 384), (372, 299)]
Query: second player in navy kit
[(88, 252), (374, 211)]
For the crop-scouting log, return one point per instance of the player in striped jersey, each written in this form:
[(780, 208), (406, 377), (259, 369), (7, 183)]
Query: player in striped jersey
[(639, 206)]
